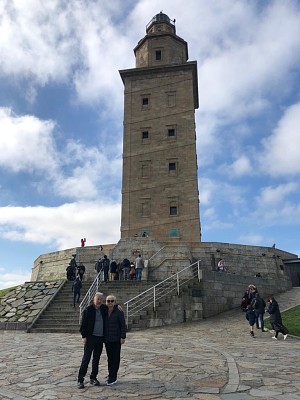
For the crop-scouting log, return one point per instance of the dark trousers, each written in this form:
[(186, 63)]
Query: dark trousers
[(278, 328), (81, 275), (113, 351), (76, 297), (94, 345), (106, 274), (259, 317)]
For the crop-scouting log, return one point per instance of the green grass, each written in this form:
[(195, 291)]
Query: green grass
[(290, 319), (3, 292)]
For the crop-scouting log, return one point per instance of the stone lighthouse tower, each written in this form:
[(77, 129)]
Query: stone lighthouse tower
[(160, 184)]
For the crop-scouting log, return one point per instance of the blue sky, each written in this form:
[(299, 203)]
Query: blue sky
[(61, 115)]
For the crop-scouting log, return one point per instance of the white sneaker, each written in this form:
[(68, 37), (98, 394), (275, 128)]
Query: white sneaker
[(284, 337), (274, 337), (110, 383)]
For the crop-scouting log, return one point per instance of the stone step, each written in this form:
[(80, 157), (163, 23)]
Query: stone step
[(57, 329), (60, 315)]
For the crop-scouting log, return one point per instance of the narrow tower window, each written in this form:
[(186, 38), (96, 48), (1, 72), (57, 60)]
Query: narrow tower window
[(158, 55), (145, 101), (171, 132), (145, 135), (173, 210), (172, 166)]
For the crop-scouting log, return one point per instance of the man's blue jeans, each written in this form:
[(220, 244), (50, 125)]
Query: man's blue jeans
[(138, 274)]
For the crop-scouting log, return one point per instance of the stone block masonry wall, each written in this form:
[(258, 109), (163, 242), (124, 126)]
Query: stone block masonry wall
[(216, 293), (51, 266), (223, 291), (20, 307), (244, 260)]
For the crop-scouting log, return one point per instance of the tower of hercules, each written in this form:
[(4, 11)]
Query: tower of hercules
[(160, 184)]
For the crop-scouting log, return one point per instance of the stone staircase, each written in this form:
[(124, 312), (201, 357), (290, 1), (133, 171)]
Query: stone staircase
[(60, 316)]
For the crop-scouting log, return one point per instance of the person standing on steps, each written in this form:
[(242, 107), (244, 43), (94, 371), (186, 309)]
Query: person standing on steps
[(105, 267), (81, 271), (76, 287), (139, 266), (115, 335), (92, 330), (126, 269)]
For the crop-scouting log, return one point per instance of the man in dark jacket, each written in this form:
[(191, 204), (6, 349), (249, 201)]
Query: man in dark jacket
[(259, 306), (92, 331)]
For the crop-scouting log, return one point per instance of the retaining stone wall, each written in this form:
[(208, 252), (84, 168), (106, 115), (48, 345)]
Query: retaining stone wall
[(21, 306), (221, 291)]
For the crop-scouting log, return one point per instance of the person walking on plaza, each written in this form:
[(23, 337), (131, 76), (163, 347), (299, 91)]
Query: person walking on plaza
[(251, 317), (275, 318), (259, 306), (115, 335), (139, 266), (92, 330), (76, 287)]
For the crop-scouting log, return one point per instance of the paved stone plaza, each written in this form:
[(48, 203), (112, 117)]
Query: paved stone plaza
[(209, 360)]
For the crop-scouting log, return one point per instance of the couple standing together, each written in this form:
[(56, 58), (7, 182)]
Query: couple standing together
[(102, 324)]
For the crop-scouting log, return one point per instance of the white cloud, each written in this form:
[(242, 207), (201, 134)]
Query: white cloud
[(75, 171), (281, 155), (278, 205), (241, 166), (91, 173), (36, 40), (241, 66), (219, 192), (252, 238), (26, 142), (62, 226), (8, 280), (272, 196)]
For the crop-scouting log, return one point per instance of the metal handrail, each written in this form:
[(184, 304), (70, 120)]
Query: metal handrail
[(150, 296), (155, 254), (90, 293)]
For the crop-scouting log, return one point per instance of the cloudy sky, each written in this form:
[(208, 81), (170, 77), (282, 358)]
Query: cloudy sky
[(61, 114)]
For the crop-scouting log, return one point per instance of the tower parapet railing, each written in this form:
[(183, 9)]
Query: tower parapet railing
[(157, 292)]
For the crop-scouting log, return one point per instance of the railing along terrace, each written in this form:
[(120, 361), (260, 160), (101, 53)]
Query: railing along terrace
[(171, 284), (90, 293)]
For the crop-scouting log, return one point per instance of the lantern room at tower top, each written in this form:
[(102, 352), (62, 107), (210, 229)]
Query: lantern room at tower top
[(161, 29)]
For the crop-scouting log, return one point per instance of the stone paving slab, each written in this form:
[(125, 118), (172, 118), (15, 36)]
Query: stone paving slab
[(208, 360)]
